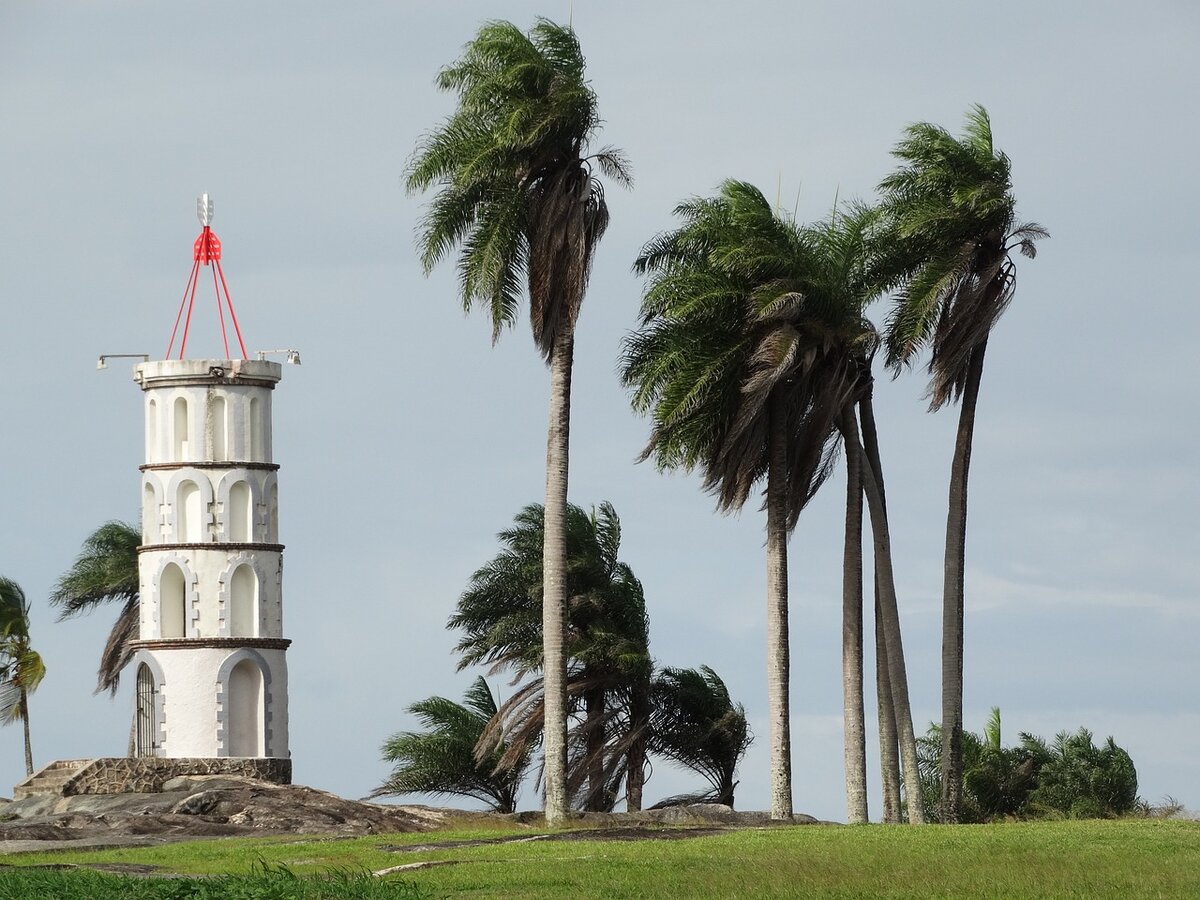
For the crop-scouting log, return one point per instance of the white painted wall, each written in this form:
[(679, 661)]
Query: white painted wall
[(223, 421)]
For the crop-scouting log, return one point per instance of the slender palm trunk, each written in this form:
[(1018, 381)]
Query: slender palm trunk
[(895, 645), (952, 596), (889, 747), (554, 575), (778, 660), (594, 750), (854, 741), (635, 759), (25, 722)]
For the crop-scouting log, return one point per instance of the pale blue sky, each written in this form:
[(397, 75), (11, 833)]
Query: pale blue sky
[(407, 441)]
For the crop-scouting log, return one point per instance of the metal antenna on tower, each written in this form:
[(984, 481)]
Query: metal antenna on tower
[(204, 210), (206, 250)]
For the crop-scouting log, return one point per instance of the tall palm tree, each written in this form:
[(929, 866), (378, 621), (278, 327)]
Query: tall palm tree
[(442, 761), (517, 192), (21, 667), (697, 725), (839, 282), (607, 644), (106, 571), (737, 366), (947, 241)]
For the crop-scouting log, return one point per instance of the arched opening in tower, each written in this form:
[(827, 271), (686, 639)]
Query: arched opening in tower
[(246, 713)]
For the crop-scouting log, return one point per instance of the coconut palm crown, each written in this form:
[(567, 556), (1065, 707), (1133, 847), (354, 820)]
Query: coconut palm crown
[(516, 185), (106, 571), (949, 229)]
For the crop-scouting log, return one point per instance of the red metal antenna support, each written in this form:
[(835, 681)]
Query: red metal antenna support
[(206, 250)]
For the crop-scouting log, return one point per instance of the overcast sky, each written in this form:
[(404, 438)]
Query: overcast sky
[(407, 441)]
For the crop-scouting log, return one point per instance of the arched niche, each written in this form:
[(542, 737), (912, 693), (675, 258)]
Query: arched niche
[(239, 520), (172, 602), (246, 710), (243, 602), (189, 513), (180, 430), (218, 448), (257, 431), (151, 530), (152, 431)]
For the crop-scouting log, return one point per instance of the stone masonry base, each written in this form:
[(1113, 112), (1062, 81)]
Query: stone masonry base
[(147, 775)]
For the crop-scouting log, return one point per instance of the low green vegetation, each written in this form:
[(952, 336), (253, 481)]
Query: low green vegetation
[(1125, 858), (1069, 777), (265, 883)]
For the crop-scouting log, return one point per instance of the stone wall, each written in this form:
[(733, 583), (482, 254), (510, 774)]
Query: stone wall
[(147, 775)]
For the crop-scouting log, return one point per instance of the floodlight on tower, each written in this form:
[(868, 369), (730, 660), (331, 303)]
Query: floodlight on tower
[(206, 251)]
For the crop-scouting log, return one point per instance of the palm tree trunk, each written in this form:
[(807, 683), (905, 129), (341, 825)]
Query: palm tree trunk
[(635, 759), (889, 749), (854, 742), (25, 721), (952, 596), (778, 662), (594, 750), (895, 645), (554, 575)]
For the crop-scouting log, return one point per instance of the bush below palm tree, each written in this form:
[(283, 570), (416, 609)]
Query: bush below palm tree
[(1069, 777), (696, 725)]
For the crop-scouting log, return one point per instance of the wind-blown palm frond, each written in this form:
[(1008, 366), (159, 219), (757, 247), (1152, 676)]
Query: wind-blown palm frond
[(441, 760), (106, 571), (946, 229)]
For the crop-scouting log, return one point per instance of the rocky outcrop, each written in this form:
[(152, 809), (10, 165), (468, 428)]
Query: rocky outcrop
[(202, 806)]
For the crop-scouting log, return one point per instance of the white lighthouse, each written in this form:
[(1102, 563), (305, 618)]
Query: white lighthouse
[(210, 655)]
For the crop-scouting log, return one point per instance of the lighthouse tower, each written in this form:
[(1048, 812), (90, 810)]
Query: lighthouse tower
[(210, 655)]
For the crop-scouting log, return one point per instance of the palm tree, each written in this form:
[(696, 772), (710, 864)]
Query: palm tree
[(696, 724), (105, 571), (739, 368), (21, 667), (607, 644), (839, 284), (949, 230), (518, 193), (442, 761)]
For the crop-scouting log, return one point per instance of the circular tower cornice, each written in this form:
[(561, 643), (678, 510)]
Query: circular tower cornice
[(166, 373), (261, 466)]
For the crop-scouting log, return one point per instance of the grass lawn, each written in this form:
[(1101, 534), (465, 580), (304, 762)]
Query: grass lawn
[(1036, 859)]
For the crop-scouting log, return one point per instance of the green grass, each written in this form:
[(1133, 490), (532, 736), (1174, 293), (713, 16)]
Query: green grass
[(1033, 859)]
